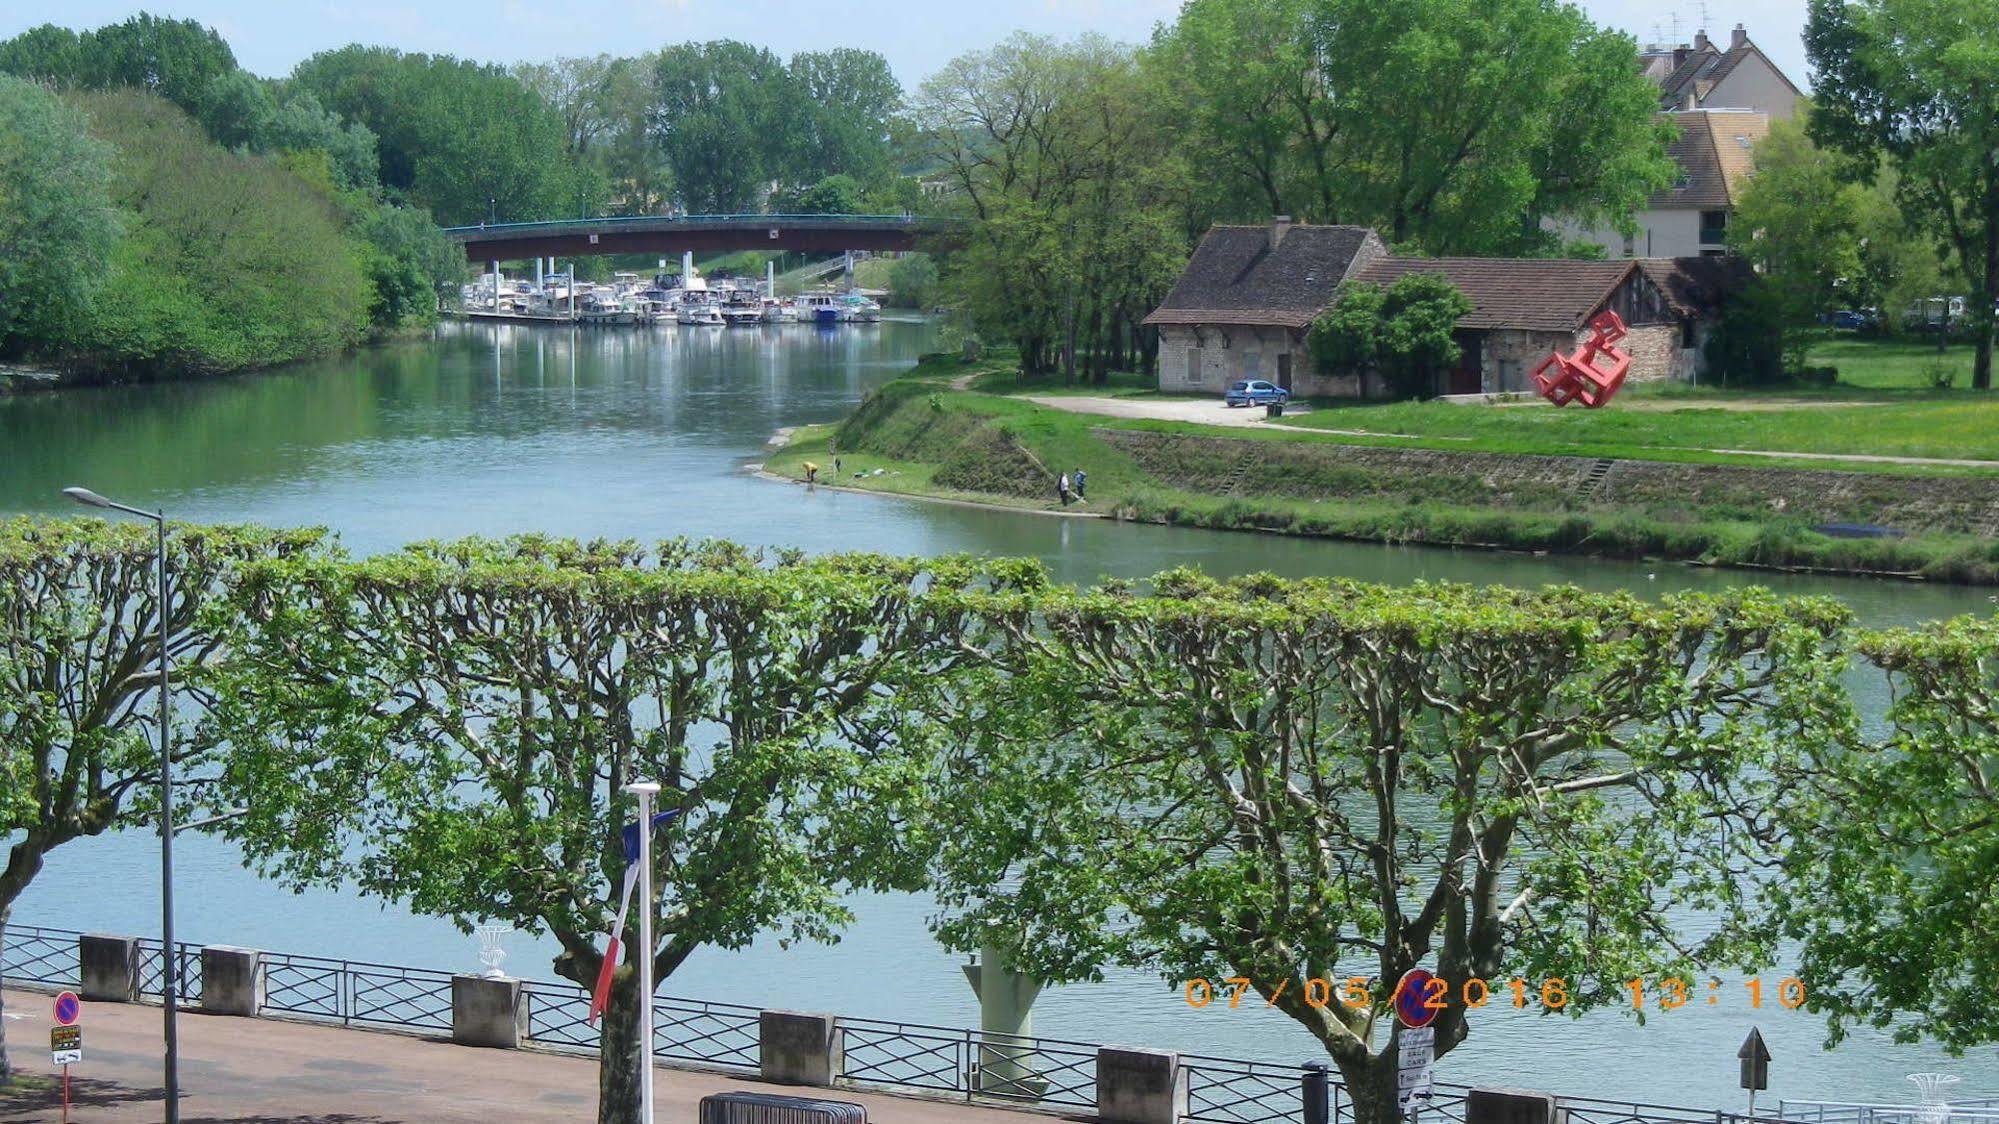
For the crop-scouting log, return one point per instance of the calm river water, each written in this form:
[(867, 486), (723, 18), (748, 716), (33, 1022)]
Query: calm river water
[(493, 429)]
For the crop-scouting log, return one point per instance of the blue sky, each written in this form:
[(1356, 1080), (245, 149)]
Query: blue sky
[(916, 36)]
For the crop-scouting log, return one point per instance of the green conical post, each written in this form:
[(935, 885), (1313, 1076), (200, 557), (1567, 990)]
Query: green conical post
[(1006, 1001)]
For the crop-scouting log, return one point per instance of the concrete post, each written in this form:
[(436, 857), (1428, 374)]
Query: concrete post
[(1006, 1000), (232, 981), (537, 273), (110, 967), (488, 1011), (770, 279), (1140, 1086), (847, 270), (687, 269), (496, 286), (796, 1048)]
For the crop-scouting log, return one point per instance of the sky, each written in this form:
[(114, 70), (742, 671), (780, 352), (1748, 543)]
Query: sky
[(916, 36)]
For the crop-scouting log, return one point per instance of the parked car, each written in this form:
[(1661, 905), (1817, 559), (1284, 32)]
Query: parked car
[(1854, 318), (1254, 392)]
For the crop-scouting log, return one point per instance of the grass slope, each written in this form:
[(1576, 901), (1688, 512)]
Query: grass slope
[(920, 436)]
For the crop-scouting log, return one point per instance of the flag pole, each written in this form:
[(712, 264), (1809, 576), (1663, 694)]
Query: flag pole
[(646, 790)]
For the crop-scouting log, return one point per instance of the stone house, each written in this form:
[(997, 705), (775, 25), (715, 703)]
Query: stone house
[(1243, 304), (1524, 308), (1249, 295)]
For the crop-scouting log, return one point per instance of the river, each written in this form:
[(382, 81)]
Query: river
[(492, 429)]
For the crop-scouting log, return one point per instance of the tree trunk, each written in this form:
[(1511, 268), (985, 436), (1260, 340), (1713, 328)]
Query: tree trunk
[(6, 1071), (1981, 366), (1370, 1083), (618, 1041)]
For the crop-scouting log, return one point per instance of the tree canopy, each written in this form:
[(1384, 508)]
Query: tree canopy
[(1404, 332), (1909, 83), (57, 221)]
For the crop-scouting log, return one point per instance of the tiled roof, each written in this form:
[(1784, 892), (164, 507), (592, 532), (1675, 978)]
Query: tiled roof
[(1696, 287), (1536, 294), (1237, 277), (1715, 152), (1703, 70)]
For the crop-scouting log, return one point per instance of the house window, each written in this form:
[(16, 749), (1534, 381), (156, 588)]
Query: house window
[(1714, 227), (1194, 376)]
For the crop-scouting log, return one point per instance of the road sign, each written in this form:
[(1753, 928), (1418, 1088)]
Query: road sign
[(1412, 997), (69, 1009), (1755, 1061), (65, 1045), (1412, 1067)]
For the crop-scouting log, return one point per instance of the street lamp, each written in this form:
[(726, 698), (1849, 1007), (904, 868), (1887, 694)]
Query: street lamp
[(170, 974)]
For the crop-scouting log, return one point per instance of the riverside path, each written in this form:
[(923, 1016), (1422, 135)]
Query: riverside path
[(265, 1071)]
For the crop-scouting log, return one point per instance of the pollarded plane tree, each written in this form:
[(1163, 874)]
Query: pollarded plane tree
[(452, 727), (1284, 783), (79, 675)]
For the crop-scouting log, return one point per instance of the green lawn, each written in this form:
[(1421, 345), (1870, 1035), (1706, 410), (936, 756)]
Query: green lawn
[(1901, 364)]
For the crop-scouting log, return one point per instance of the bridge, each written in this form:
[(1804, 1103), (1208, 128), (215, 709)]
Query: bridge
[(674, 234)]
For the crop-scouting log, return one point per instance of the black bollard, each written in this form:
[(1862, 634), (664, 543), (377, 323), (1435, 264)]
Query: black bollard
[(1317, 1091)]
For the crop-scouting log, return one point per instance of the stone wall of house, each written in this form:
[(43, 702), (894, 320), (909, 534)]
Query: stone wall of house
[(1509, 356), (1656, 353), (1207, 359)]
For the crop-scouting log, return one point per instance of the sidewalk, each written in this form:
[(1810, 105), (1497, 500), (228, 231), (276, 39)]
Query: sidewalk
[(263, 1071)]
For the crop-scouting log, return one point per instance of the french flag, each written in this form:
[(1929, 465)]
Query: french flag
[(600, 996)]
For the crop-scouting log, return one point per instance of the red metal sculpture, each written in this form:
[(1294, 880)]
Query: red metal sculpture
[(1594, 373)]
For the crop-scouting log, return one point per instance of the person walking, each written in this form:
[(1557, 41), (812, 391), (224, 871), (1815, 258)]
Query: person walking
[(1081, 478), (1062, 488)]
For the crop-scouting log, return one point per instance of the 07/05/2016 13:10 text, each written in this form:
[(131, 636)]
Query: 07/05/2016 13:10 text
[(1668, 994)]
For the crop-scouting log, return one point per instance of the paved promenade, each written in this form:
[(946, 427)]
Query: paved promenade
[(261, 1071)]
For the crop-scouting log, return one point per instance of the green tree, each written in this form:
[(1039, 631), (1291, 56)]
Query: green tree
[(451, 727), (724, 117), (46, 54), (847, 99), (1451, 125), (1893, 907), (241, 110), (912, 282), (1800, 223), (1909, 83), (1405, 332), (834, 195), (465, 140), (79, 649), (57, 222), (175, 59), (229, 261), (1061, 153), (1295, 781)]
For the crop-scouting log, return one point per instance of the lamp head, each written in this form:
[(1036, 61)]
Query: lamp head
[(86, 497)]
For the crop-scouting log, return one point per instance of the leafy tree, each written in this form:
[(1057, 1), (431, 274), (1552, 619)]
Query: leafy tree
[(1405, 332), (1799, 222), (1284, 782), (834, 195), (1452, 126), (57, 222), (46, 54), (465, 140), (452, 726), (229, 261), (410, 264), (1909, 83), (1060, 152), (847, 99), (79, 649), (912, 282), (1893, 906), (723, 115), (241, 110)]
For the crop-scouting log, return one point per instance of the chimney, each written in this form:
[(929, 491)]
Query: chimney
[(1701, 41), (1689, 101), (1279, 226), (1738, 38)]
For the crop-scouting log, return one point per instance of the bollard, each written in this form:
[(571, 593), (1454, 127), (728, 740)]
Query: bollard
[(1317, 1090)]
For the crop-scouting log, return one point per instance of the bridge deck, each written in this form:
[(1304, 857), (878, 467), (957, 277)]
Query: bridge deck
[(701, 233)]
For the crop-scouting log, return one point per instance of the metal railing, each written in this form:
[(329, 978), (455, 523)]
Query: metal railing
[(685, 220), (956, 1062)]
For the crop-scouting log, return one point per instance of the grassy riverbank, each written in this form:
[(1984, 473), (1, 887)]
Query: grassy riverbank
[(930, 434)]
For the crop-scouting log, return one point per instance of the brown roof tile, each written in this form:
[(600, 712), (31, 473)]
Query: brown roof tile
[(1236, 277), (1715, 152), (1536, 294), (1697, 286)]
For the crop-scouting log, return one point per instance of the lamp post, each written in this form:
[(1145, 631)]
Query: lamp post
[(169, 960), (645, 791)]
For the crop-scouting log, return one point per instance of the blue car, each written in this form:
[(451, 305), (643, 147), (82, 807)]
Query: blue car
[(1254, 392)]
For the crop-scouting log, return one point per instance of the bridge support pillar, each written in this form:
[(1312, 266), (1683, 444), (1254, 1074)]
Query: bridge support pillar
[(495, 286)]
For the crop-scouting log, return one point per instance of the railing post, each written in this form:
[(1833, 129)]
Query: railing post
[(232, 981), (1317, 1090), (108, 967), (488, 1011), (797, 1048)]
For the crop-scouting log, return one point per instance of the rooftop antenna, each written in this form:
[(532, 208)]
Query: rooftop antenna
[(1701, 6)]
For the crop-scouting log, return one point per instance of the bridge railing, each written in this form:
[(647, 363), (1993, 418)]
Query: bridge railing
[(691, 220)]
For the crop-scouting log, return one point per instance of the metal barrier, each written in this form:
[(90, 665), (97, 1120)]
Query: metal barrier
[(877, 1053)]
